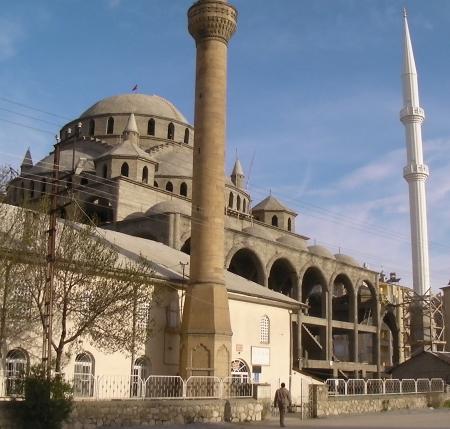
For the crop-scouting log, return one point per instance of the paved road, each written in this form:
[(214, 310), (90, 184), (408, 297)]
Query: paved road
[(407, 419)]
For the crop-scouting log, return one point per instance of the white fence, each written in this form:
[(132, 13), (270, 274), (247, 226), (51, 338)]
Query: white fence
[(378, 386), (86, 386)]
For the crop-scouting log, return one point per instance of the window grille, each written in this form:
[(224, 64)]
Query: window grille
[(265, 330)]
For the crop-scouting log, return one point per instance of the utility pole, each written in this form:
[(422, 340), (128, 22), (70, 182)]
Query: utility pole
[(49, 279)]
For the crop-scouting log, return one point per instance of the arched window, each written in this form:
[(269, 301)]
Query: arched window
[(151, 127), (145, 175), (16, 363), (244, 205), (43, 185), (83, 375), (31, 189), (105, 171), (141, 370), (124, 170), (171, 131), (264, 330), (186, 135), (169, 187), (110, 126), (239, 371), (230, 200), (155, 184), (16, 369), (289, 224), (274, 220), (183, 189), (91, 127), (238, 203)]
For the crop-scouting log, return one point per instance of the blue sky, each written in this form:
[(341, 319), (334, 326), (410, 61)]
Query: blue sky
[(314, 96)]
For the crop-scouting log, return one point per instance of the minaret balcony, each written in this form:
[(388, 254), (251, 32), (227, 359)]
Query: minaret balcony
[(416, 172), (412, 114)]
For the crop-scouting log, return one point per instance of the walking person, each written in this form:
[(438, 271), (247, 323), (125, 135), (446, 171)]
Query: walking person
[(282, 400)]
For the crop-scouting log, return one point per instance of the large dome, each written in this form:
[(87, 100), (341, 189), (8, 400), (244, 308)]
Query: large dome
[(139, 104)]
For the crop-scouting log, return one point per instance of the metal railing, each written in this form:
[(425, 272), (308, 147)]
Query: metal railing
[(378, 386), (89, 387), (162, 387)]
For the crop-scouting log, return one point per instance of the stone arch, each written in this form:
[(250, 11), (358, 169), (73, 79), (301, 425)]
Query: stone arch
[(222, 361), (186, 247), (145, 174), (169, 186), (342, 298), (200, 359), (92, 127), (283, 277), (125, 170), (246, 263), (366, 303), (151, 127), (274, 220), (314, 290), (183, 189), (110, 125), (390, 321), (171, 131), (230, 200)]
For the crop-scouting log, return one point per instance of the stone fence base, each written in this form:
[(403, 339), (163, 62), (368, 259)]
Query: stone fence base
[(325, 405), (101, 414)]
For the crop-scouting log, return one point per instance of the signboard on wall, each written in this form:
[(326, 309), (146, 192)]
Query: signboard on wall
[(261, 356)]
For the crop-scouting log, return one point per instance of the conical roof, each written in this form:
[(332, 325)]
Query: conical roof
[(127, 149), (27, 160), (237, 169), (271, 204), (131, 125)]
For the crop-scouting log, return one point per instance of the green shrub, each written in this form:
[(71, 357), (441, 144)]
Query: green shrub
[(446, 404), (47, 402)]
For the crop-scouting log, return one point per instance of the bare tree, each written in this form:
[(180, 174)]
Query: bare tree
[(96, 290), (7, 173)]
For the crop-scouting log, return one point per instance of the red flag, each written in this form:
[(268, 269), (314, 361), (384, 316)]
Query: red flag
[(135, 87)]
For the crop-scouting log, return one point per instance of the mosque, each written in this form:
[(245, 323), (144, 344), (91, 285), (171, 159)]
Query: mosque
[(295, 309)]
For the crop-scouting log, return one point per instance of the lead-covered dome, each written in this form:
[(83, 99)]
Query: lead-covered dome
[(139, 104)]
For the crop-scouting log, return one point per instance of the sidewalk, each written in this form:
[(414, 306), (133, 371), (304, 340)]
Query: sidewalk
[(404, 419)]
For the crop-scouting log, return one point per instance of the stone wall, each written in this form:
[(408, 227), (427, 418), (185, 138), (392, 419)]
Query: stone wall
[(98, 414), (90, 415), (325, 405)]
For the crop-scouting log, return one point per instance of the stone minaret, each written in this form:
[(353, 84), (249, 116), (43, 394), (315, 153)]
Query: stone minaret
[(206, 330), (415, 172)]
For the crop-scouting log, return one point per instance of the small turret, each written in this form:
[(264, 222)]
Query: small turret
[(237, 176), (131, 130), (27, 162)]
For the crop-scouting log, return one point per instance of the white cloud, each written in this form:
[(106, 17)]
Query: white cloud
[(11, 32)]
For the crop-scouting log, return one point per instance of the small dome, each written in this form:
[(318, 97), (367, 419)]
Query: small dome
[(292, 241), (139, 104), (258, 231), (172, 206), (346, 259), (320, 251)]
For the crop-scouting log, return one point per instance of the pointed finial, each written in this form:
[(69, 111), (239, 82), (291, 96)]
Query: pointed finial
[(405, 13), (131, 125)]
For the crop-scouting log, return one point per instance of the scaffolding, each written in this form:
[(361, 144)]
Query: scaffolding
[(433, 314)]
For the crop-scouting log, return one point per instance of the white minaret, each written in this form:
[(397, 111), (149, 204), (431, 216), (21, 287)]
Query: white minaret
[(415, 172)]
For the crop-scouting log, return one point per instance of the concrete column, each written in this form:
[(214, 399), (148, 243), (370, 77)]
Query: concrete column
[(206, 330), (329, 331), (355, 329)]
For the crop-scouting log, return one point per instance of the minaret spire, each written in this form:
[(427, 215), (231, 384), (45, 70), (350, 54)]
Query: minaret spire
[(415, 172)]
